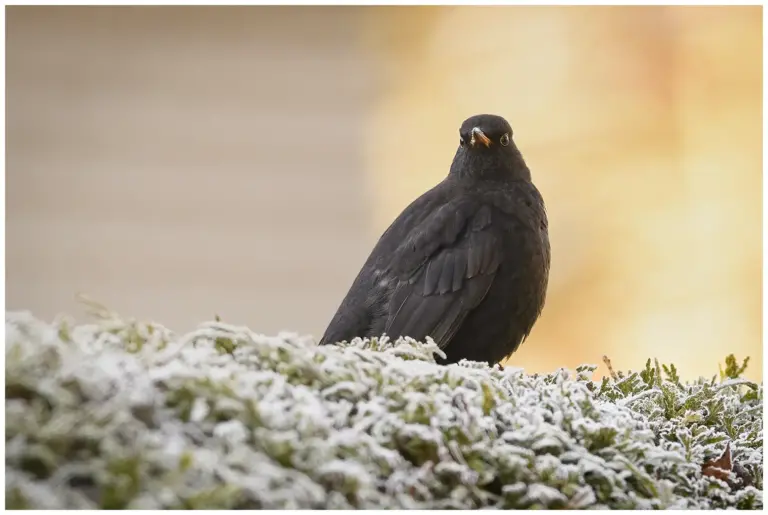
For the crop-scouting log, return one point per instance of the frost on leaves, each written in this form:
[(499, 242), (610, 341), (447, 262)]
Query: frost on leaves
[(123, 414)]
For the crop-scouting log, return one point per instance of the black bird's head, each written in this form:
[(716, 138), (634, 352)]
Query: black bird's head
[(486, 150)]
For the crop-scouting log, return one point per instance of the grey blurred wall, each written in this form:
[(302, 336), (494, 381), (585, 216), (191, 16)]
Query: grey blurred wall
[(175, 163)]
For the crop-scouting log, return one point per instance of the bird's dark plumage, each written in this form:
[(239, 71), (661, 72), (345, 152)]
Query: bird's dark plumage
[(467, 263)]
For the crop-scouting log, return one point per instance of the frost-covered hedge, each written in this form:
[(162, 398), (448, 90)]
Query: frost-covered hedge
[(122, 414)]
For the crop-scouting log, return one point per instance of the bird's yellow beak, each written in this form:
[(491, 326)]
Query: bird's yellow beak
[(478, 135)]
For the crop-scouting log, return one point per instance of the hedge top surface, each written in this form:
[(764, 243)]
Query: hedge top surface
[(126, 414)]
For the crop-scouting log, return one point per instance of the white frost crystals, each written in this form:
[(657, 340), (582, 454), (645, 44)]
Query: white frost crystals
[(124, 414)]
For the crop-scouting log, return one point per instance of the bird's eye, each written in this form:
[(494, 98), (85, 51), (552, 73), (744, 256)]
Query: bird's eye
[(504, 140), (461, 141)]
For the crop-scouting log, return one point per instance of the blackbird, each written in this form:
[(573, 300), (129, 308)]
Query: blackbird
[(467, 263)]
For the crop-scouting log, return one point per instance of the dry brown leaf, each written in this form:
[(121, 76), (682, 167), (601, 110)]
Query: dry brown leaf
[(721, 467)]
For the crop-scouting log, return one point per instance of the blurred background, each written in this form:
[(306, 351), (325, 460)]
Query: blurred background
[(180, 162)]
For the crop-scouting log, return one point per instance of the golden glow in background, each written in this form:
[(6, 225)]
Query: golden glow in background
[(642, 127), (181, 162)]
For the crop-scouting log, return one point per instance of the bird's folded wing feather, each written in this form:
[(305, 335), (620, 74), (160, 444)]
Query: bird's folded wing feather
[(445, 271)]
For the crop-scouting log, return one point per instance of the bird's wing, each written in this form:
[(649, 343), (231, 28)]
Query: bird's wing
[(445, 271), (359, 311)]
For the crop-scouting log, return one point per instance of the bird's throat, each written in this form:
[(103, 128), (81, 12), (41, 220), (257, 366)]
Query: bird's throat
[(482, 167)]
